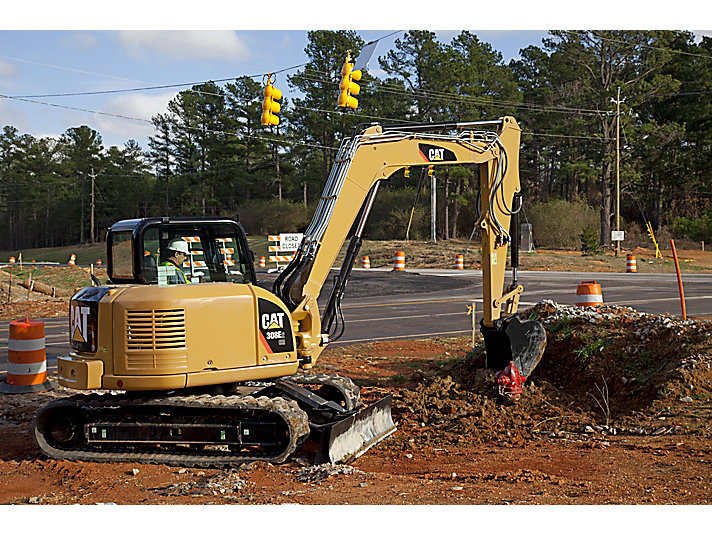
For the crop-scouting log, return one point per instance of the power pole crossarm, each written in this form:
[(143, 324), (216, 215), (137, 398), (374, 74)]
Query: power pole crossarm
[(618, 169)]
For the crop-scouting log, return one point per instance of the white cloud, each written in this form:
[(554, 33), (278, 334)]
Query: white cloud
[(80, 40), (700, 34), (10, 115), (136, 106), (190, 44), (7, 71)]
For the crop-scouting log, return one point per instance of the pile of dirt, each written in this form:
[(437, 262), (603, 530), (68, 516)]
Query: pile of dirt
[(607, 370)]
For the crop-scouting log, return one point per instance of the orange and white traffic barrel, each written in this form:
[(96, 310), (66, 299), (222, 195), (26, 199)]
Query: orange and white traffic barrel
[(73, 259), (263, 261), (630, 265), (26, 358), (459, 261), (12, 259), (589, 294), (366, 262), (98, 263), (399, 261)]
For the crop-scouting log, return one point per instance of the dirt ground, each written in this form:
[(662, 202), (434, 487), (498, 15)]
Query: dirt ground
[(617, 412)]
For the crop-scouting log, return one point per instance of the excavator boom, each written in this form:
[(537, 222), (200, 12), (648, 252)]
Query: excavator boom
[(374, 155)]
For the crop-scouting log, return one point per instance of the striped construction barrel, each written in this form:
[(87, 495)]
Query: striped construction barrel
[(459, 261), (12, 259), (26, 357), (399, 261), (631, 265), (366, 262), (263, 261), (589, 294)]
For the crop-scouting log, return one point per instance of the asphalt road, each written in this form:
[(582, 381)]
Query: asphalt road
[(439, 308)]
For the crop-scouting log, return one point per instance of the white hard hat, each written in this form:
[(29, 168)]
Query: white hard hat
[(178, 245)]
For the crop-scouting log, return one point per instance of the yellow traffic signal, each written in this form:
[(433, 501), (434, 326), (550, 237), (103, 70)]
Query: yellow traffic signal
[(430, 170), (270, 108), (406, 172), (348, 89)]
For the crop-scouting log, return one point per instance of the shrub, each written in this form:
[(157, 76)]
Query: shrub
[(560, 224), (262, 217), (697, 229), (589, 241), (391, 213)]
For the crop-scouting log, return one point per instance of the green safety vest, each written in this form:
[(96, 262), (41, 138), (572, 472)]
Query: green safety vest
[(181, 275)]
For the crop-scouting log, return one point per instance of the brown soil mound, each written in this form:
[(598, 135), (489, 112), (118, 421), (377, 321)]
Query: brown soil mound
[(608, 370)]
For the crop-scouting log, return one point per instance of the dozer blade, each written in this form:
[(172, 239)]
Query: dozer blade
[(350, 437), (512, 339)]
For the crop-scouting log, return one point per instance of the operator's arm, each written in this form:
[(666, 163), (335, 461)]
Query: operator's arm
[(375, 155)]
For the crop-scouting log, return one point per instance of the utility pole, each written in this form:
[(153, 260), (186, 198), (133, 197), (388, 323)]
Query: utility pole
[(618, 170), (433, 205), (91, 238), (81, 224)]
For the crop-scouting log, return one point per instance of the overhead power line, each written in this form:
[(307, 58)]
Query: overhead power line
[(660, 48)]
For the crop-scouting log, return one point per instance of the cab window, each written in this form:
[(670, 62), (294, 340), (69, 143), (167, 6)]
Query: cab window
[(202, 253), (121, 255)]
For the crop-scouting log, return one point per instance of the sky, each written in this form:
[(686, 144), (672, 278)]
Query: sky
[(45, 50)]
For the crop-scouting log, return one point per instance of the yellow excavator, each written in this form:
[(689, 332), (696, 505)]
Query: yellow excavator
[(213, 372)]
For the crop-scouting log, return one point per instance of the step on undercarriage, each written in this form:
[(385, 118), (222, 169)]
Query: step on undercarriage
[(271, 422)]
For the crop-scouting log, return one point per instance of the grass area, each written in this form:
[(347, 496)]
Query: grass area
[(62, 277), (86, 254), (425, 254)]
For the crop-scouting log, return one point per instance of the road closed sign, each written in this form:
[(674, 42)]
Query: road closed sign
[(290, 242), (617, 235)]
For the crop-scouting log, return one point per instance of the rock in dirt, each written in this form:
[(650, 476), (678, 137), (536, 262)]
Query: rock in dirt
[(324, 471), (224, 482)]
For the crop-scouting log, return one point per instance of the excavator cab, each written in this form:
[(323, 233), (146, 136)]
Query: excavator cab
[(215, 250)]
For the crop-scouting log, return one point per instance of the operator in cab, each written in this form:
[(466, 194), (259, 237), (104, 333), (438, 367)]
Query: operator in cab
[(178, 248)]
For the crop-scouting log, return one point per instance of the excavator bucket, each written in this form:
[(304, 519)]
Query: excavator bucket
[(514, 340), (349, 437)]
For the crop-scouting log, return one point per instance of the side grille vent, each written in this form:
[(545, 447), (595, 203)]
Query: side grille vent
[(151, 330)]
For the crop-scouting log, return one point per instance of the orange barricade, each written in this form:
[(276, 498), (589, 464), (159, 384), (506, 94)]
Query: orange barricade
[(399, 261), (27, 358), (589, 294), (630, 265)]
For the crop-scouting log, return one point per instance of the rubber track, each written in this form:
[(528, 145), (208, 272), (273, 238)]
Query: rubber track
[(288, 410)]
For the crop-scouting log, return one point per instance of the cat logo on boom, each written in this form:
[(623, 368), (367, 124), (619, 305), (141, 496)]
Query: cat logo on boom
[(436, 153)]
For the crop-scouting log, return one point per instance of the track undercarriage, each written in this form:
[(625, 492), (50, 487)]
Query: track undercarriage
[(262, 421)]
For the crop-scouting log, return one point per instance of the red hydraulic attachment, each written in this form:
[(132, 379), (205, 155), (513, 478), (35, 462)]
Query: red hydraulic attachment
[(510, 383)]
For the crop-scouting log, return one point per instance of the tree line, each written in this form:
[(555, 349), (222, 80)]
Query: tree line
[(572, 94)]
